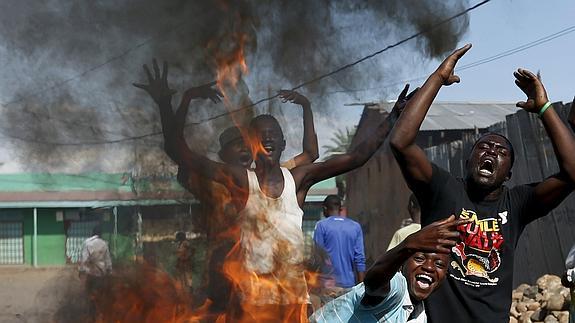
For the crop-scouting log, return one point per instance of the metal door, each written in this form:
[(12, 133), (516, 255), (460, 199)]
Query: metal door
[(11, 243)]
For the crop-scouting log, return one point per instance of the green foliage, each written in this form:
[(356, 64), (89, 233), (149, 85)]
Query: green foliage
[(340, 142)]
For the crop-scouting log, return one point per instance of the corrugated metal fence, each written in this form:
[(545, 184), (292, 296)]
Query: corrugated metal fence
[(545, 243)]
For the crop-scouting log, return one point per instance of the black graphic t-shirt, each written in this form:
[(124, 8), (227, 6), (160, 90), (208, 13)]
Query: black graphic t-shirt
[(479, 281)]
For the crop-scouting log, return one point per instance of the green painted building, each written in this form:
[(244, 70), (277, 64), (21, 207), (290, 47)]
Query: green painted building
[(44, 218)]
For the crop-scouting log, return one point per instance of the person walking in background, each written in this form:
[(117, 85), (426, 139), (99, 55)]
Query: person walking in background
[(414, 226), (183, 261), (95, 266), (342, 239), (568, 280)]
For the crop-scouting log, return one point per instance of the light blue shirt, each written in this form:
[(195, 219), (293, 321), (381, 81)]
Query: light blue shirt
[(396, 306)]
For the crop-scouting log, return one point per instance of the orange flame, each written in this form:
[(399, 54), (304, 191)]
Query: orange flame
[(231, 65), (147, 294)]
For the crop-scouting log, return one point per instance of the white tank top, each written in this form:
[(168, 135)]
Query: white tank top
[(271, 234), (272, 246)]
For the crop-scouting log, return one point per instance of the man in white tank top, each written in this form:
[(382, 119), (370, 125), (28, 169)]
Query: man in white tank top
[(270, 271)]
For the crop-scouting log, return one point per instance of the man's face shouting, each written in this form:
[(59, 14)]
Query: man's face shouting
[(489, 163)]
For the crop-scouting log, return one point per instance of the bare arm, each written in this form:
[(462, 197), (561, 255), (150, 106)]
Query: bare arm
[(411, 158), (339, 164), (550, 192), (310, 147), (205, 91), (437, 237), (174, 142)]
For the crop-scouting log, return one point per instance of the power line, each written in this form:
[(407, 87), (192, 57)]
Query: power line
[(519, 48), (482, 61), (95, 67), (316, 79)]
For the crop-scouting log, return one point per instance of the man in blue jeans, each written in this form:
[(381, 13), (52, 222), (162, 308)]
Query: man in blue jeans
[(342, 239)]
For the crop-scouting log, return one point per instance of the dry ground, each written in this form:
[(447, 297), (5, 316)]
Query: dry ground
[(40, 295)]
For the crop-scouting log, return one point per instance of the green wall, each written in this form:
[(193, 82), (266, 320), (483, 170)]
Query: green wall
[(51, 239), (28, 220), (52, 236)]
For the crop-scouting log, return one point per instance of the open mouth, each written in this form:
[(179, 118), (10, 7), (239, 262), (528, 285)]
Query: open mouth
[(487, 167), (269, 149), (423, 281)]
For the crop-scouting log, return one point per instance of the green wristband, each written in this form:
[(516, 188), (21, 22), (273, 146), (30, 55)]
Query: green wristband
[(544, 108)]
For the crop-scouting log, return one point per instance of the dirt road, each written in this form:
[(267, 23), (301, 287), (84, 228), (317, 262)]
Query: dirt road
[(40, 295)]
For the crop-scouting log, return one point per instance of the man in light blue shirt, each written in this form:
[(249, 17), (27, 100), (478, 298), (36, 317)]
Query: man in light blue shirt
[(342, 239), (390, 295)]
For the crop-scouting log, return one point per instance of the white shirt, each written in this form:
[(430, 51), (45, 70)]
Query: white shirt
[(95, 257)]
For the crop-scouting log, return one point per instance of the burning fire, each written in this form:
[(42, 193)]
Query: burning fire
[(229, 57), (148, 294), (231, 65)]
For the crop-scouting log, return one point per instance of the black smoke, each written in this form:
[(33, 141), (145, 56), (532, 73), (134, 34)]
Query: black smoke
[(76, 60)]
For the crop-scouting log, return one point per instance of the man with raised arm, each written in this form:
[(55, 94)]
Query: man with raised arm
[(269, 199), (215, 198), (399, 281), (479, 282)]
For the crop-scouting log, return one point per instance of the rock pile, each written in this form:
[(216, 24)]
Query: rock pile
[(546, 301)]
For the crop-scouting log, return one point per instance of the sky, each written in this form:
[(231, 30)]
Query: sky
[(494, 28)]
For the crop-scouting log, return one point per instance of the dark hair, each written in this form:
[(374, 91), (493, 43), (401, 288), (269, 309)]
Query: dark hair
[(262, 117), (97, 230), (180, 236), (511, 150), (332, 201)]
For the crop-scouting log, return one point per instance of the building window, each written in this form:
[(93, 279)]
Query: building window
[(11, 243)]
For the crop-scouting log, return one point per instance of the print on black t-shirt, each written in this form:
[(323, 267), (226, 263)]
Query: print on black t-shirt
[(478, 253)]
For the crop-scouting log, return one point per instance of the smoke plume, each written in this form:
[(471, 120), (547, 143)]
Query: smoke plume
[(77, 60)]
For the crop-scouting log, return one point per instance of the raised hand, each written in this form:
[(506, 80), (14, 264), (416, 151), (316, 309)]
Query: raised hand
[(445, 70), (206, 91), (401, 102), (531, 85), (437, 237), (293, 97), (157, 86)]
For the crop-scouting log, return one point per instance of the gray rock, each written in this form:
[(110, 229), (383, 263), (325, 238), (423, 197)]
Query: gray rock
[(517, 296), (548, 282), (513, 311), (521, 307), (533, 306), (514, 320), (539, 315), (551, 319), (555, 302), (526, 317), (530, 292), (564, 317), (521, 288)]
